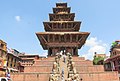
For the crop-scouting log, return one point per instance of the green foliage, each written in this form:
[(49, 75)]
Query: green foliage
[(114, 44), (97, 59)]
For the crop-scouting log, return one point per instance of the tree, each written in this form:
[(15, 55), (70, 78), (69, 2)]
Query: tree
[(96, 60)]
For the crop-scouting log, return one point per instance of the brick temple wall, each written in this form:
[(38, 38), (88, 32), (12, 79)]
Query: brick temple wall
[(39, 62), (83, 63), (90, 69), (89, 72), (100, 76), (47, 59), (76, 58), (40, 71), (30, 77), (43, 69)]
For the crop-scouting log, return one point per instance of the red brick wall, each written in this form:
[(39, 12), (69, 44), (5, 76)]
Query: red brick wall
[(43, 63), (48, 59), (100, 76), (40, 69), (83, 63), (90, 69), (76, 58), (30, 77)]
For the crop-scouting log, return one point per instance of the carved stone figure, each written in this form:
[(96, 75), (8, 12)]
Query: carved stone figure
[(54, 67), (54, 77), (57, 60), (72, 66), (69, 79), (68, 54), (76, 77)]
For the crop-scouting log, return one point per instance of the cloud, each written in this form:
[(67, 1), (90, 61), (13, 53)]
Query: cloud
[(94, 45), (18, 18)]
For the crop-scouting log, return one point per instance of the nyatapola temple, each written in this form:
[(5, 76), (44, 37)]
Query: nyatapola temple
[(62, 38)]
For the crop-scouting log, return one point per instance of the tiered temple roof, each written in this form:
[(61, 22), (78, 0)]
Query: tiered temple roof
[(62, 32)]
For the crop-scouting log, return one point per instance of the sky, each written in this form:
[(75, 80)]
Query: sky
[(20, 19)]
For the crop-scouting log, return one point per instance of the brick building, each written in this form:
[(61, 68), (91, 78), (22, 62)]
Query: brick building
[(9, 60), (14, 61), (113, 63), (28, 60), (3, 53)]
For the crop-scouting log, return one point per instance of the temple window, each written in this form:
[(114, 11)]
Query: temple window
[(69, 25), (57, 16), (66, 17), (53, 26), (63, 25), (58, 25), (62, 38), (50, 38), (67, 38), (61, 17), (56, 38), (74, 38)]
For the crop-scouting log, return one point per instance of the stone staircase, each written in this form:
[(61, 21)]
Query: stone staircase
[(39, 71), (89, 72), (83, 70)]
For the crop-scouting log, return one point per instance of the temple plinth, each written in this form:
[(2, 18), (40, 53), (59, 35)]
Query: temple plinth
[(62, 32)]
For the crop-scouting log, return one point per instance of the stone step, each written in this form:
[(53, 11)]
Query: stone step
[(38, 69), (43, 63), (83, 63), (76, 58), (100, 76), (47, 59), (90, 69), (30, 76)]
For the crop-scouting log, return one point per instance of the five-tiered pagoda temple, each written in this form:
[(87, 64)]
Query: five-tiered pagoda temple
[(62, 32)]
